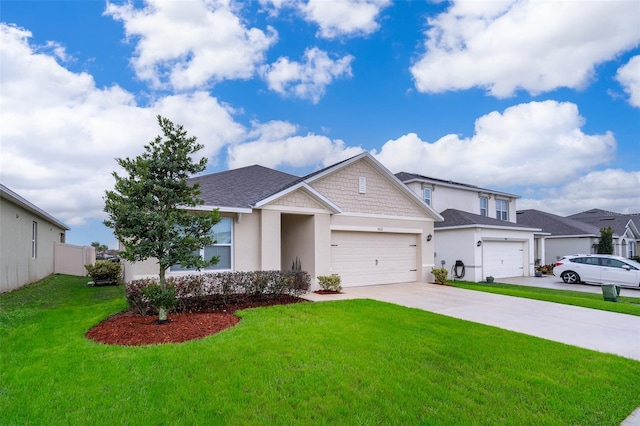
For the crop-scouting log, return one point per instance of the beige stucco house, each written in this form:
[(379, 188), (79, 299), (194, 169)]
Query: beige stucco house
[(354, 219), (27, 238)]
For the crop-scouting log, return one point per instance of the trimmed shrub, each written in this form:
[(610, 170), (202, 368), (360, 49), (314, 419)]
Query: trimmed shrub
[(104, 271), (330, 282), (205, 292), (440, 275)]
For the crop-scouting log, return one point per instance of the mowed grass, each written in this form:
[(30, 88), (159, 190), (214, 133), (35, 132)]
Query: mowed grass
[(624, 305), (347, 362)]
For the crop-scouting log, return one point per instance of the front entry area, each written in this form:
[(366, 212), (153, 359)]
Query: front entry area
[(368, 258)]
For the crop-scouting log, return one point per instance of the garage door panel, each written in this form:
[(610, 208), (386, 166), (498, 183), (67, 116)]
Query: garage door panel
[(502, 259), (364, 258)]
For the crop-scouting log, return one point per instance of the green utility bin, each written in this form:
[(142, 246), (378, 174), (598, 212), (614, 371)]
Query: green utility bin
[(610, 292)]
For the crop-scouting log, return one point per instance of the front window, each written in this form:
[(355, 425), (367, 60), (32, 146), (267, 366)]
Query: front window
[(502, 210), (484, 206), (427, 196), (222, 234)]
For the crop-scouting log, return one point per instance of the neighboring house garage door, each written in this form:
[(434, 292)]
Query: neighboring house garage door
[(502, 259), (367, 258)]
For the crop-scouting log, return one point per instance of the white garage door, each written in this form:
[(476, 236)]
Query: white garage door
[(367, 258), (502, 259)]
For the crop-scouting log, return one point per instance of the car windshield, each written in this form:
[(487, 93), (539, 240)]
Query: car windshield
[(633, 263)]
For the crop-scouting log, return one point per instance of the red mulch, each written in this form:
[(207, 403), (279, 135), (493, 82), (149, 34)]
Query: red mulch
[(327, 292), (130, 329)]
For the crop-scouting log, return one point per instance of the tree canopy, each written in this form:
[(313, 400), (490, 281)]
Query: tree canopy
[(152, 207), (605, 245)]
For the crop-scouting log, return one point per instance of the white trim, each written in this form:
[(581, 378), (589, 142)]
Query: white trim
[(463, 186), (204, 208), (8, 194), (285, 209), (381, 216), (376, 229), (476, 225)]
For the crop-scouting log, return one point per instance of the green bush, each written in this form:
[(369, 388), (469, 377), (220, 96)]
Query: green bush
[(205, 292), (330, 282), (440, 275), (161, 298), (104, 270)]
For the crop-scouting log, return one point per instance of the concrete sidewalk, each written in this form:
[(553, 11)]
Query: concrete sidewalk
[(587, 328)]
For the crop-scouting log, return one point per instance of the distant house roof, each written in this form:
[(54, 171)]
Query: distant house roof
[(409, 177), (554, 224), (460, 219), (8, 194), (603, 218)]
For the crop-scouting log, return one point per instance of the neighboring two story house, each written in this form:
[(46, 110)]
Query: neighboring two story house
[(479, 230)]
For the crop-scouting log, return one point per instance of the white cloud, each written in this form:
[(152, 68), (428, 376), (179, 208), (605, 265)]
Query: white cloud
[(537, 46), (537, 143), (307, 79), (611, 189), (60, 134), (344, 17), (629, 77), (191, 43), (276, 144)]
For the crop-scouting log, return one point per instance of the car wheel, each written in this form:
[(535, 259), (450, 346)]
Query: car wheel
[(570, 277)]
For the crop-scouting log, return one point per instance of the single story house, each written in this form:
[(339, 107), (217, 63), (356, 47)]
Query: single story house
[(27, 238), (354, 219), (580, 233)]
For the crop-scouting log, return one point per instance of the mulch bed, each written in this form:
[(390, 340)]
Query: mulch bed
[(327, 292), (131, 329)]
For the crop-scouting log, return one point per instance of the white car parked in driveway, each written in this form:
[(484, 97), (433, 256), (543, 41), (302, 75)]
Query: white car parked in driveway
[(598, 268)]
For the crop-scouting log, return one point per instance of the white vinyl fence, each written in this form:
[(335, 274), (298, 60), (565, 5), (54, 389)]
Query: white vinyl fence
[(70, 259)]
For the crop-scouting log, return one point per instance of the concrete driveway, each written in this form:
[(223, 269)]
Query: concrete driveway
[(550, 281), (587, 328)]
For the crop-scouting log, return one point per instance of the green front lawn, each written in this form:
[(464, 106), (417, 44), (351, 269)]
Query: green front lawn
[(347, 362), (624, 305)]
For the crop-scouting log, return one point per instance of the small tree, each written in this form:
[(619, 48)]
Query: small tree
[(605, 245), (147, 209)]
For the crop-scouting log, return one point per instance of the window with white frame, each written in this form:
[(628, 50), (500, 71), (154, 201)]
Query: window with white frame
[(427, 196), (484, 206), (222, 234), (34, 240), (502, 210)]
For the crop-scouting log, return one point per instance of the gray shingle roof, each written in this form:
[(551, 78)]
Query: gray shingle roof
[(406, 177), (554, 224), (603, 218), (453, 217), (243, 187)]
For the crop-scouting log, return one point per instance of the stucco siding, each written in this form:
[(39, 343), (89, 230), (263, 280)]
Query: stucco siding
[(380, 197), (555, 248), (17, 267)]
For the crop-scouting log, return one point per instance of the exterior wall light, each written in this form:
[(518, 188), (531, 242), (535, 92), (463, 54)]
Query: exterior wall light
[(479, 243)]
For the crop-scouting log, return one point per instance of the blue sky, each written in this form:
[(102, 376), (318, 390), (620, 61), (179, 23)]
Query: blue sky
[(539, 99)]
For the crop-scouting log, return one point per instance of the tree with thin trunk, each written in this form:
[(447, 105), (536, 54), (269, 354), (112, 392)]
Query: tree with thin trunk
[(152, 209), (605, 245)]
